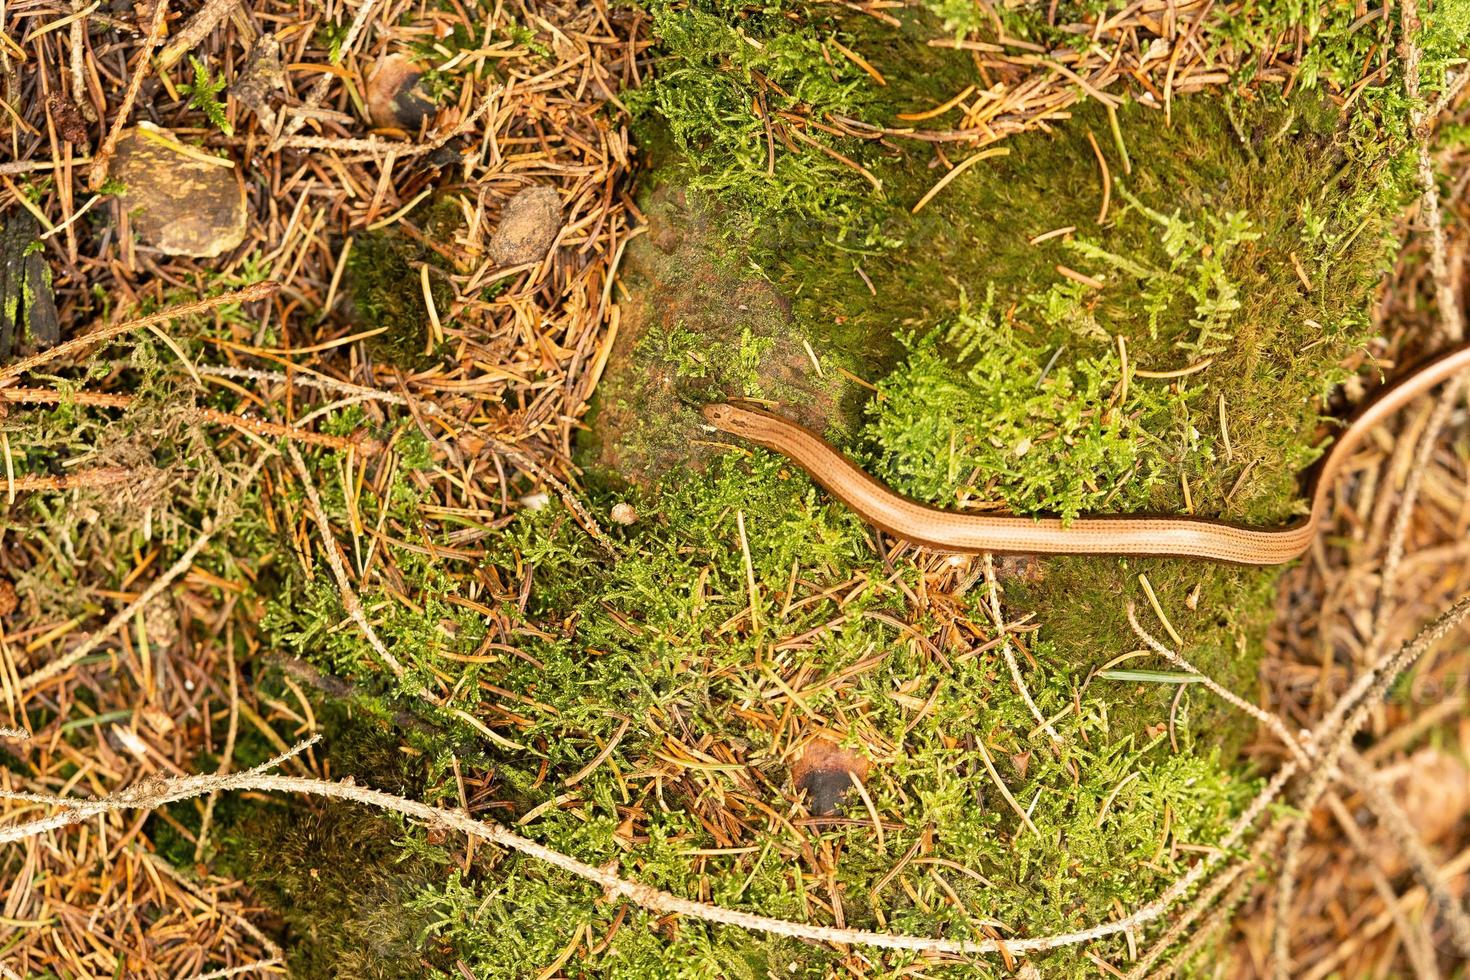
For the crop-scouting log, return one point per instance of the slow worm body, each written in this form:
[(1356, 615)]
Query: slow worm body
[(1185, 537)]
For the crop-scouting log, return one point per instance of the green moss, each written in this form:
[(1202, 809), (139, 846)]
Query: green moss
[(338, 878), (662, 640), (1018, 394), (1002, 378), (386, 289), (1199, 262), (341, 883), (726, 58), (979, 346), (984, 403)]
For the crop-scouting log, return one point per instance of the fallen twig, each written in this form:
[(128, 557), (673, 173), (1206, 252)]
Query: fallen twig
[(249, 294), (97, 175)]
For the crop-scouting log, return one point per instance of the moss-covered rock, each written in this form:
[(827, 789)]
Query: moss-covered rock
[(704, 323), (1005, 328)]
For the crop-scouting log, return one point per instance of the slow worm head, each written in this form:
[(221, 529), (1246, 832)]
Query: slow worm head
[(1185, 537)]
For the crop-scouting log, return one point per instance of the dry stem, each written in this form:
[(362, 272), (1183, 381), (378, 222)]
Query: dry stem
[(156, 793), (249, 294), (97, 176)]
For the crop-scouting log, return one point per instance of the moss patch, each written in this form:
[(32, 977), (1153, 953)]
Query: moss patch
[(386, 290), (1241, 248), (707, 700), (337, 876)]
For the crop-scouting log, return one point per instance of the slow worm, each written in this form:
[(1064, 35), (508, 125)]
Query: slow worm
[(1184, 537)]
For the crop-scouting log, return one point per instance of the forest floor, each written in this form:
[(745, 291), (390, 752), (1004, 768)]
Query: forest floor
[(370, 468)]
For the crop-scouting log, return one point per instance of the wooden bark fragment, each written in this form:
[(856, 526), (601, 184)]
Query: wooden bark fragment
[(27, 306)]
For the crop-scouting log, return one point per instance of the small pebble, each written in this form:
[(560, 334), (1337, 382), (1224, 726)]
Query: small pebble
[(529, 224)]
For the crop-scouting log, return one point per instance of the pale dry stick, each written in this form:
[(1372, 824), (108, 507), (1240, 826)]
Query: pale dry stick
[(318, 92), (350, 602), (1238, 882), (353, 606), (97, 175), (321, 382), (1329, 725), (1217, 920), (155, 793), (97, 476), (249, 294), (236, 971), (1452, 322), (1271, 721), (1331, 742), (1384, 807), (487, 102), (78, 84), (1409, 900), (206, 19), (227, 757), (17, 167), (1009, 654), (1231, 882), (1410, 53), (354, 144), (147, 794), (1399, 533), (375, 149), (569, 500), (1426, 869), (185, 561), (260, 427)]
